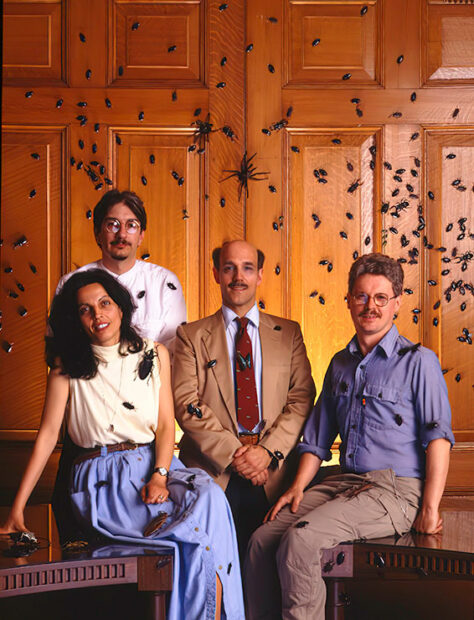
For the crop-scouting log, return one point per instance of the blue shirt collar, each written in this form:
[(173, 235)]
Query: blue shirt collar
[(387, 344), (253, 315)]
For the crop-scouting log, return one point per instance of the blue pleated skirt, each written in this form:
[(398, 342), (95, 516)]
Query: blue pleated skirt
[(106, 495)]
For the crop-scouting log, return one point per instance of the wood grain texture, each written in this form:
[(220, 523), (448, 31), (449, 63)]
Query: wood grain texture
[(226, 40), (265, 207), (451, 206), (87, 46), (173, 204), (401, 49), (328, 223), (325, 41), (419, 109), (448, 44), (33, 43), (157, 43), (33, 191), (403, 230)]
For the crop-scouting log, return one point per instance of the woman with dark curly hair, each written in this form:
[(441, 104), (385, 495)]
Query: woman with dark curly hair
[(126, 484)]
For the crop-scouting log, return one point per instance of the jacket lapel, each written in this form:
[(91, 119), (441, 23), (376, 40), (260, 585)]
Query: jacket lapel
[(270, 340), (215, 344)]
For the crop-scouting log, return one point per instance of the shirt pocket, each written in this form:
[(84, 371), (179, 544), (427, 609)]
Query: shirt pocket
[(381, 411)]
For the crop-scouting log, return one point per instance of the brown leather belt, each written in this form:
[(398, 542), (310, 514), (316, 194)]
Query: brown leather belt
[(247, 439), (116, 447)]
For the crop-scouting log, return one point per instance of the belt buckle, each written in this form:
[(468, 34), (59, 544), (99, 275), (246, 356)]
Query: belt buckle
[(134, 445)]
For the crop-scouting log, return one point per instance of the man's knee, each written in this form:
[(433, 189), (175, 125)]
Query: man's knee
[(264, 540)]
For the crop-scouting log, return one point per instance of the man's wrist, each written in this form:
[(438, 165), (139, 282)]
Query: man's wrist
[(273, 464)]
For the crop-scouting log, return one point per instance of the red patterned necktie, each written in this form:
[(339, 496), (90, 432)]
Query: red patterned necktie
[(247, 402)]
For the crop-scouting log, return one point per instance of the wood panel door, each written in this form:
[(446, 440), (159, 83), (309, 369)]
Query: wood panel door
[(359, 113), (101, 94)]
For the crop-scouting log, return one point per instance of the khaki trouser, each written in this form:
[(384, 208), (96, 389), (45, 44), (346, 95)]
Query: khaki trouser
[(282, 571)]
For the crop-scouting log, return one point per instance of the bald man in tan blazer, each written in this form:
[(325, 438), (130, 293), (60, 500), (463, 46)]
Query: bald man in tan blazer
[(250, 464)]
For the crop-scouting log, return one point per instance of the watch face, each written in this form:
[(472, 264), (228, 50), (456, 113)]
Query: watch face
[(162, 471)]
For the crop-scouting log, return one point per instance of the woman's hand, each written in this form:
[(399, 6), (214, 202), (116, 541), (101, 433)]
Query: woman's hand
[(155, 491), (14, 524), (293, 496)]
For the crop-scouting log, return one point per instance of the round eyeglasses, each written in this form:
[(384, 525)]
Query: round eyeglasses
[(380, 299), (131, 226)]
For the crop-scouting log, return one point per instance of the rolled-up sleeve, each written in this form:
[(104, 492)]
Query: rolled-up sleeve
[(431, 400), (321, 429)]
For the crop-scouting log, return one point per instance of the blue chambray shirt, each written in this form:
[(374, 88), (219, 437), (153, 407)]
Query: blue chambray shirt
[(385, 406)]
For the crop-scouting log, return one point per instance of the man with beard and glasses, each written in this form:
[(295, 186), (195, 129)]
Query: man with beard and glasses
[(243, 389), (387, 399), (119, 227)]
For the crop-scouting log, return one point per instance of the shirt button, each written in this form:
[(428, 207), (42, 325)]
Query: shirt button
[(196, 529), (351, 456), (208, 548), (353, 426), (362, 367)]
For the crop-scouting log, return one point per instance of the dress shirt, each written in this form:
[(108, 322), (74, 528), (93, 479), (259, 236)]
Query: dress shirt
[(386, 406), (231, 329), (156, 292)]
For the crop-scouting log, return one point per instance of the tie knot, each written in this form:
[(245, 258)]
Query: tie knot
[(242, 323)]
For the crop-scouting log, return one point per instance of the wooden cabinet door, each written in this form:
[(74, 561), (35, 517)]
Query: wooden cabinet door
[(362, 114), (359, 113)]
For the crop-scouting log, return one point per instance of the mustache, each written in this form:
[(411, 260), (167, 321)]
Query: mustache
[(370, 313), (233, 284), (120, 241)]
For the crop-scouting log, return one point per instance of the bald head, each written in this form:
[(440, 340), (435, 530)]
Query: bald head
[(238, 271), (216, 253)]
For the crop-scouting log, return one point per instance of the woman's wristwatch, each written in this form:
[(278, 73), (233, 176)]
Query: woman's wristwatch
[(161, 470)]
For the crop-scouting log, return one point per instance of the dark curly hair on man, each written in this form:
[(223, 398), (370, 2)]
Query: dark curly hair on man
[(69, 346)]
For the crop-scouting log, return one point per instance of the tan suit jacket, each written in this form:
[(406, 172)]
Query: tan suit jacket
[(288, 394)]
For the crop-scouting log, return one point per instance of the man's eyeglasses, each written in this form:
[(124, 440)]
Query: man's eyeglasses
[(380, 299), (113, 226)]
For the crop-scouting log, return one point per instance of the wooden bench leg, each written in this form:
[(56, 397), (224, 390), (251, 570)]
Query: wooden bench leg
[(157, 606), (337, 599)]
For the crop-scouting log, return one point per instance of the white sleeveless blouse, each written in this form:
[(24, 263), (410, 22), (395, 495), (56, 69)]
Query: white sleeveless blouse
[(115, 405)]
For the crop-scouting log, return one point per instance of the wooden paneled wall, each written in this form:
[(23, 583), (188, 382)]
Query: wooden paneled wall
[(360, 114)]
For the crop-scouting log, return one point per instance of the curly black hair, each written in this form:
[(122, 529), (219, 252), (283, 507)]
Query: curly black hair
[(69, 346)]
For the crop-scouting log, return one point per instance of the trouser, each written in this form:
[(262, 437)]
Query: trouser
[(66, 521), (282, 572), (249, 506)]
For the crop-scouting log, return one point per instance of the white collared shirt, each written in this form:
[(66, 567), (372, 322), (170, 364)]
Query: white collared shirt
[(231, 329)]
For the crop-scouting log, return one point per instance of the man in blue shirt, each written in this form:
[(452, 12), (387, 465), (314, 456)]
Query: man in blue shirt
[(387, 399)]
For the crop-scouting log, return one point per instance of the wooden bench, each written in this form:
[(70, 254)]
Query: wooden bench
[(49, 570), (409, 578)]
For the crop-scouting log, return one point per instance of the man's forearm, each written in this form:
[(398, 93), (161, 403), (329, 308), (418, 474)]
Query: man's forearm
[(437, 464), (428, 520), (308, 467)]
